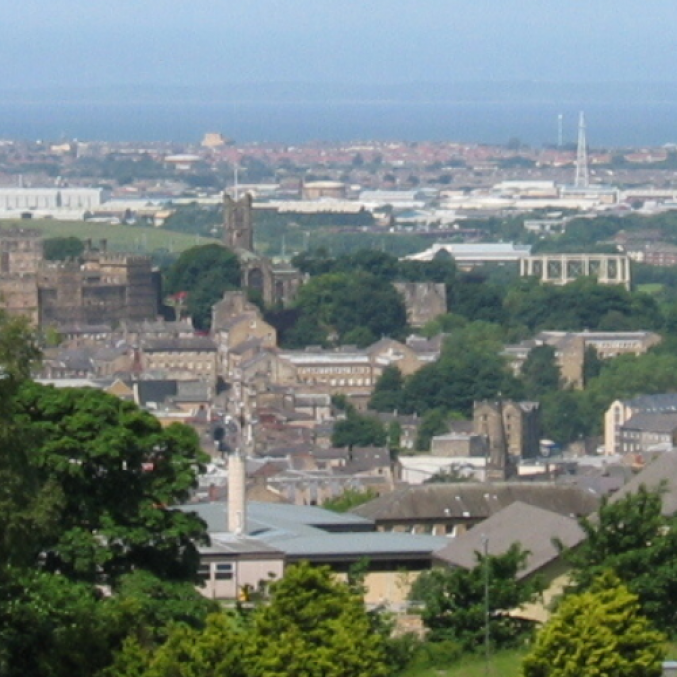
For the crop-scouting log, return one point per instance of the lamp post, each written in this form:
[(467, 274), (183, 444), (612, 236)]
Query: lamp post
[(487, 634)]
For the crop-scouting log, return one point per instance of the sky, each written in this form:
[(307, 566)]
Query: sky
[(86, 43)]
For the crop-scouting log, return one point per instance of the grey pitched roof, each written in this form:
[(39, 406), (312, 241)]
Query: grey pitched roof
[(532, 527), (661, 402), (154, 391), (661, 472), (195, 344), (475, 500), (305, 532), (192, 391), (663, 422)]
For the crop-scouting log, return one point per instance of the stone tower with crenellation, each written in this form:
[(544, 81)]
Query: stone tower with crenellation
[(238, 224)]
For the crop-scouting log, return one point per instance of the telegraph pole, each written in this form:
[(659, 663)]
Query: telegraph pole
[(487, 634)]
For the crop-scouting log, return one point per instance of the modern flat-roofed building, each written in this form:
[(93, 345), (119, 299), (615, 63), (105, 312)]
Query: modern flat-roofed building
[(29, 199), (470, 255)]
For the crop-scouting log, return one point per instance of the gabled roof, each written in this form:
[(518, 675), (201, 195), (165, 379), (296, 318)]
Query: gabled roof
[(473, 501), (663, 422), (194, 344), (154, 391), (661, 472), (532, 527), (661, 402), (307, 532)]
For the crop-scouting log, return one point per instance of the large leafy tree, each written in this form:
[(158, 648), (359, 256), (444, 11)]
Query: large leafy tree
[(387, 394), (358, 430), (314, 625), (599, 632), (469, 369), (454, 599), (540, 372), (340, 304), (50, 625), (119, 472), (204, 273), (28, 507), (62, 248), (632, 538)]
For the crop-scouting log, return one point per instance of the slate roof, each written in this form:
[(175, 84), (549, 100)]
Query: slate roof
[(533, 528), (475, 501), (195, 344), (661, 402), (154, 391), (306, 532), (662, 422), (662, 471)]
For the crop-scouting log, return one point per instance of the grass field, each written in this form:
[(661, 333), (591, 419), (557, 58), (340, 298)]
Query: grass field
[(650, 288), (120, 237), (502, 664)]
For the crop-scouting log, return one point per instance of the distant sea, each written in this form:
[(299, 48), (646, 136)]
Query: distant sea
[(616, 116)]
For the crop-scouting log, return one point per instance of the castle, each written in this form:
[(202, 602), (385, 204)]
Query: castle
[(276, 282), (102, 288)]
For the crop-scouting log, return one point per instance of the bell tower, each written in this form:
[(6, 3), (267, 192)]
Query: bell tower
[(238, 227)]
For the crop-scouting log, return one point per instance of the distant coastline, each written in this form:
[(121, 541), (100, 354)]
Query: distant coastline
[(618, 115)]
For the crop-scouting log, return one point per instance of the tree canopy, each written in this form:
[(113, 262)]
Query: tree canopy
[(312, 624), (96, 448), (203, 273), (348, 308), (634, 540), (62, 248), (598, 632), (454, 599)]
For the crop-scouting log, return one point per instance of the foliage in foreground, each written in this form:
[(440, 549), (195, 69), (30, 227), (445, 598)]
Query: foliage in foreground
[(634, 540), (454, 600), (313, 625), (595, 633)]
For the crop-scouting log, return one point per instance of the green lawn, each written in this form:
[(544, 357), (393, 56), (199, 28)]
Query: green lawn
[(502, 664), (120, 237), (650, 288)]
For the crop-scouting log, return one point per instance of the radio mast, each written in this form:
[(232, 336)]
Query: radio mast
[(582, 178)]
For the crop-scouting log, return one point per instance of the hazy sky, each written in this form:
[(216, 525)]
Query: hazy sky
[(106, 42)]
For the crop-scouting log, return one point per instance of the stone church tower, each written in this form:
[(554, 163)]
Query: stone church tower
[(238, 224), (276, 282)]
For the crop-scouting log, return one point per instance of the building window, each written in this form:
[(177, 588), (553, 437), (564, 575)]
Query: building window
[(204, 572), (224, 571)]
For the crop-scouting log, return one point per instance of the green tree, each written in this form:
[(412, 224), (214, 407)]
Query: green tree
[(314, 625), (387, 393), (433, 422), (565, 416), (470, 369), (540, 372), (631, 538), (204, 273), (356, 430), (62, 248), (50, 625), (340, 303), (598, 632), (29, 508), (145, 607), (592, 364), (97, 449), (454, 600), (216, 649), (350, 499)]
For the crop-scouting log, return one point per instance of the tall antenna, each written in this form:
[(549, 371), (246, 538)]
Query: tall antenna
[(560, 138), (582, 178), (236, 190)]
